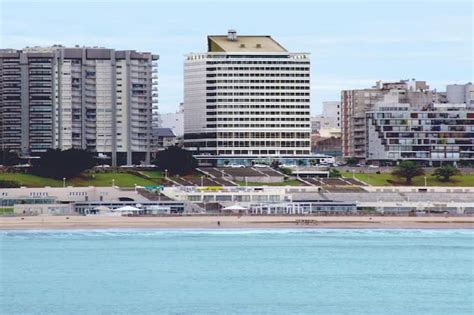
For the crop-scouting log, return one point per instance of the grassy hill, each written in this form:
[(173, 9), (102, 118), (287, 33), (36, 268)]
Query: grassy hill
[(98, 179), (387, 179)]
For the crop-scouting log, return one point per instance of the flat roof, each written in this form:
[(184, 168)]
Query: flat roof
[(245, 43)]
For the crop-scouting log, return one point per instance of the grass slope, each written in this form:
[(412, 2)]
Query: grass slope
[(99, 179), (387, 179)]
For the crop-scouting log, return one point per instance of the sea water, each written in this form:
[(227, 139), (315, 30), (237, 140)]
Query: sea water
[(237, 272)]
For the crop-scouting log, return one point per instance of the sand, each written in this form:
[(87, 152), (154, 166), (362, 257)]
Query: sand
[(248, 222)]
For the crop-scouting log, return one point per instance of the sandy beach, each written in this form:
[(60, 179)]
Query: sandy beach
[(248, 222)]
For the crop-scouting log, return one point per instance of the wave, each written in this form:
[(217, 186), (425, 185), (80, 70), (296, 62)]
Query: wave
[(99, 233)]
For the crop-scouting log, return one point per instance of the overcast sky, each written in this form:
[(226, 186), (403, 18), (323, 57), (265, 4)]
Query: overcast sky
[(352, 43)]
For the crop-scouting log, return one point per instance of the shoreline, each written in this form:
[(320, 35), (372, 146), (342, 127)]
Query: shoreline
[(233, 222)]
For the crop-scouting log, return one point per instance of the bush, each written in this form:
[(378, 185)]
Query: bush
[(58, 164), (8, 184), (334, 173), (176, 160), (9, 158), (285, 170)]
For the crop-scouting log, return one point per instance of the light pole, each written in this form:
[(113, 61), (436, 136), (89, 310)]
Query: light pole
[(425, 181), (113, 182), (64, 181), (166, 174), (202, 180)]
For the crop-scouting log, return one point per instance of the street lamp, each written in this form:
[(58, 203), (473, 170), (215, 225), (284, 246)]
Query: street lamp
[(202, 180), (425, 181), (166, 173), (113, 182), (64, 181)]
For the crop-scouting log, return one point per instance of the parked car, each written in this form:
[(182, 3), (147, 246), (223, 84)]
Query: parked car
[(260, 165), (236, 166), (373, 166)]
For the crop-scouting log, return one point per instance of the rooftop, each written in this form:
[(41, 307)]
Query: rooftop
[(246, 43)]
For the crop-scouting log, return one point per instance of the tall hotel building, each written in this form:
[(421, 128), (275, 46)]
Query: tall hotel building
[(247, 99), (86, 98)]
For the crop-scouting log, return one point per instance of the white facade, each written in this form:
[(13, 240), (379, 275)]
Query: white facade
[(332, 115), (460, 93), (247, 103), (174, 121), (96, 99)]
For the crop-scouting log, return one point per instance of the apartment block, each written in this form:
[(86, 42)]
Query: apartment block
[(247, 97), (355, 104), (431, 135), (96, 99)]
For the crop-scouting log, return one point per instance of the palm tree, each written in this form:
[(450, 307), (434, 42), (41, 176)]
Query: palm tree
[(408, 170), (444, 172)]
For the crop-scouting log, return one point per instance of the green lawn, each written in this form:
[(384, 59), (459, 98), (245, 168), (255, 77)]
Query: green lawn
[(384, 178), (31, 180), (6, 211), (290, 182), (98, 179), (152, 174)]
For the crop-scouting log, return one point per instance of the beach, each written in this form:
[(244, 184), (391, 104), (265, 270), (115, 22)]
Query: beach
[(245, 222)]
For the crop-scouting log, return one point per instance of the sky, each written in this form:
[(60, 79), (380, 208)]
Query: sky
[(352, 43)]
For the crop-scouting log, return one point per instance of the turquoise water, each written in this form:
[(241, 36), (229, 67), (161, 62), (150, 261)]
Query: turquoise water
[(237, 272)]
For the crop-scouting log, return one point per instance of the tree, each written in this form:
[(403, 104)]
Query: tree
[(9, 157), (176, 160), (444, 172), (63, 164), (351, 161), (408, 170), (334, 173)]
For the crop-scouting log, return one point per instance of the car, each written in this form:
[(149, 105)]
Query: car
[(102, 166), (236, 166), (373, 166), (288, 165), (260, 165)]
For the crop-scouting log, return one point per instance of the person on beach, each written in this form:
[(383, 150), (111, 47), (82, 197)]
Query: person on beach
[(218, 223)]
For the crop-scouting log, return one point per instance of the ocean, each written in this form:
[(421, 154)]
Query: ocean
[(237, 272)]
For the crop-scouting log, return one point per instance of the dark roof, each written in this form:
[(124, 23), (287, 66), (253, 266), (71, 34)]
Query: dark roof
[(163, 132)]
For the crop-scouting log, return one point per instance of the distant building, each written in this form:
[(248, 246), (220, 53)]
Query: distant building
[(460, 94), (163, 138), (432, 135), (332, 114), (247, 97), (86, 98), (355, 104), (174, 121)]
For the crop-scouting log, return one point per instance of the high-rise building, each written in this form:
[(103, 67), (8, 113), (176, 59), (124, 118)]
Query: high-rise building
[(247, 97), (96, 99), (355, 104)]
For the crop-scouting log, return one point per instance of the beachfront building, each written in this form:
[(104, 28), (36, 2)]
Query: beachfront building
[(247, 98), (433, 135), (83, 200), (355, 104), (95, 99)]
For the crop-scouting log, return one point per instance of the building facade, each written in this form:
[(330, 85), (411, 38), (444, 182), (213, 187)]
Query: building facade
[(355, 104), (440, 133), (95, 99), (247, 97)]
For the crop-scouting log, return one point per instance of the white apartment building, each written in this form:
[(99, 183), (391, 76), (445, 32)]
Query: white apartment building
[(332, 115), (96, 99), (247, 98)]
